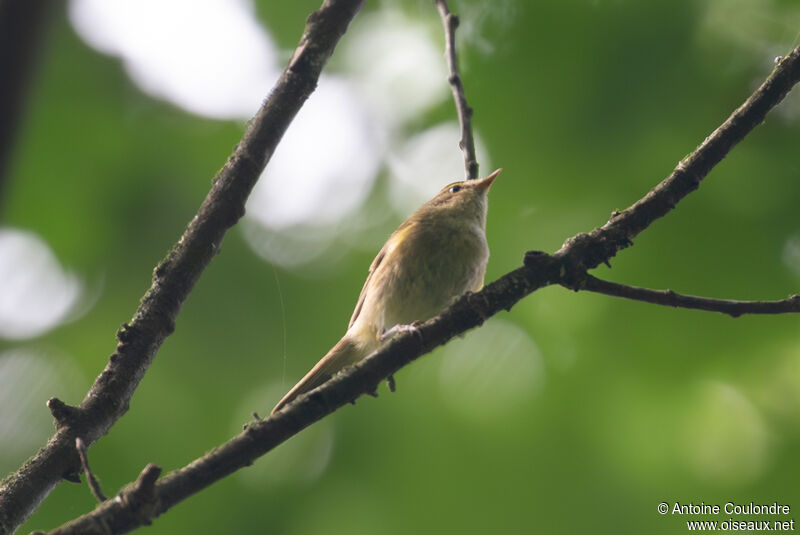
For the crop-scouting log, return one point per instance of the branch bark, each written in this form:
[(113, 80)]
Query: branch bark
[(175, 276), (567, 267)]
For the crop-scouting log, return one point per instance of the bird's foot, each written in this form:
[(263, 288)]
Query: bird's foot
[(390, 383), (374, 392), (400, 329)]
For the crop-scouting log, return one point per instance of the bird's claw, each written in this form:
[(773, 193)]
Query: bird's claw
[(400, 329), (390, 383)]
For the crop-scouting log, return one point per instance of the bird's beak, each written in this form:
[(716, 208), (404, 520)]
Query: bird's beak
[(485, 183)]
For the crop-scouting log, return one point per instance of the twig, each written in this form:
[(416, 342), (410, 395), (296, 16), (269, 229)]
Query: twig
[(730, 307), (175, 276), (140, 498), (471, 310), (467, 142), (94, 484), (64, 415)]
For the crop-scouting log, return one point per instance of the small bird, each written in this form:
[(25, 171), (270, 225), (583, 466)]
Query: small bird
[(435, 256)]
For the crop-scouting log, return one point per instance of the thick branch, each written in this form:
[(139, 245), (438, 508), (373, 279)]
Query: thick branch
[(467, 142), (669, 298), (175, 276), (23, 25), (565, 267)]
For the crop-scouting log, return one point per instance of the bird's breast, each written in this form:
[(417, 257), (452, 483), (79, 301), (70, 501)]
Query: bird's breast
[(428, 270)]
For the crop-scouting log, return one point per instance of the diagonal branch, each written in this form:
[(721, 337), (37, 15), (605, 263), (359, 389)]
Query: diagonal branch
[(669, 298), (567, 267), (588, 251), (467, 142), (23, 28), (176, 275)]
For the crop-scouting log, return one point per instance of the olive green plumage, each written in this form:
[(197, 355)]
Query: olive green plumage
[(436, 255)]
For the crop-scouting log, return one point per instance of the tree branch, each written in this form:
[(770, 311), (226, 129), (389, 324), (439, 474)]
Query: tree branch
[(587, 251), (669, 298), (176, 275), (567, 267), (467, 142), (23, 25)]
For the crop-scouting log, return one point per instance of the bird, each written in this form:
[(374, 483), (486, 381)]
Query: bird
[(436, 255)]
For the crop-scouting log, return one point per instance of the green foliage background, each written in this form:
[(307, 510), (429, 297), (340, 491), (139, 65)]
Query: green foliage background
[(587, 105)]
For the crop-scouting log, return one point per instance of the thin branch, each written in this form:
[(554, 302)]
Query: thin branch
[(467, 142), (669, 298), (176, 275), (469, 311), (94, 484)]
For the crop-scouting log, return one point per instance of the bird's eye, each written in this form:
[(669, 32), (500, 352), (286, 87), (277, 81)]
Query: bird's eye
[(455, 189)]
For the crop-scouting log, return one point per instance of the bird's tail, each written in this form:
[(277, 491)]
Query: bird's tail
[(344, 353)]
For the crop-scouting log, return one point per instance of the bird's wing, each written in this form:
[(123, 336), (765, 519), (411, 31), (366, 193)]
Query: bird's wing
[(386, 250), (340, 356)]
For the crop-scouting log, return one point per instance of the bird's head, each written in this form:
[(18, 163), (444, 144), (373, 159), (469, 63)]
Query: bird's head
[(463, 201)]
